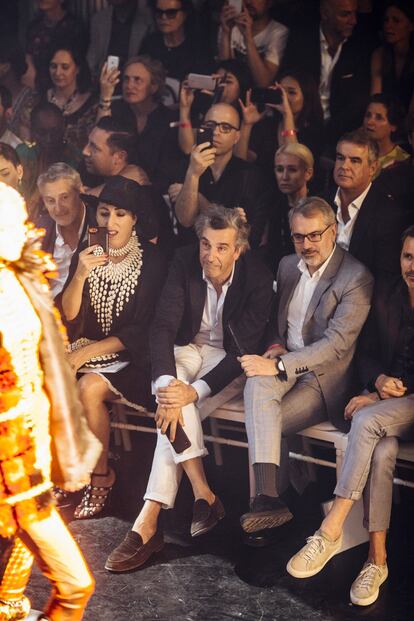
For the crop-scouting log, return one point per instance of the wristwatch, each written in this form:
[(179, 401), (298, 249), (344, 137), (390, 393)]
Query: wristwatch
[(281, 368)]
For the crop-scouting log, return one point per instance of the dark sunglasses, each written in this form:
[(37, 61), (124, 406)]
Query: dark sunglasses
[(169, 13)]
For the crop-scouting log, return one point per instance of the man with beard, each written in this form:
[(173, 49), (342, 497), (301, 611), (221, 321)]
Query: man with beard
[(254, 37), (380, 416), (305, 376)]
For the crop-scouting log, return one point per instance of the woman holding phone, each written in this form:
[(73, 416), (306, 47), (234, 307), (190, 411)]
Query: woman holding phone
[(107, 306)]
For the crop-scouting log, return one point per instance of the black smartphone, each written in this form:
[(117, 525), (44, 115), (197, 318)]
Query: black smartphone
[(205, 134), (98, 235), (241, 350), (181, 441), (266, 95)]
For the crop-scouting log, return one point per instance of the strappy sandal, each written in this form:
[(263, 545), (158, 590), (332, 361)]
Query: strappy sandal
[(61, 497), (94, 500)]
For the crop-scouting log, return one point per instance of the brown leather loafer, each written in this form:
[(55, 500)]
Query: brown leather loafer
[(132, 553), (206, 516)]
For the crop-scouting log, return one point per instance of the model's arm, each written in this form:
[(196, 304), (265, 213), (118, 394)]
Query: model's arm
[(189, 202)]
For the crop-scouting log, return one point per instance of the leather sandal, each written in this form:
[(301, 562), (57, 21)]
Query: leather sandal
[(94, 500)]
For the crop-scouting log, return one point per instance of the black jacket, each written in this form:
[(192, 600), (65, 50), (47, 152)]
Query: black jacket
[(180, 310), (375, 239)]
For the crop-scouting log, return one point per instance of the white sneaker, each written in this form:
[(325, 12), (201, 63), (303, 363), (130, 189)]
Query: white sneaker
[(365, 588), (313, 556)]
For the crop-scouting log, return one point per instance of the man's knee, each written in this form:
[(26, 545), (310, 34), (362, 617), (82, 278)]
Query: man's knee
[(260, 386), (366, 422), (385, 453)]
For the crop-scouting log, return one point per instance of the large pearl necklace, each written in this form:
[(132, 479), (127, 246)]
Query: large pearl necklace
[(120, 252), (112, 285)]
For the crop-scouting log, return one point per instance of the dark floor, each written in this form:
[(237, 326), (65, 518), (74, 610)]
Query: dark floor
[(217, 577)]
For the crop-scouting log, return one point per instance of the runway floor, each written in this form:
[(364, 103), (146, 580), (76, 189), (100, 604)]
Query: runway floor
[(218, 577)]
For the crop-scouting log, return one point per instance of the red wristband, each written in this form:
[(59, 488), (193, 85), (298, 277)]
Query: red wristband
[(273, 346), (285, 133)]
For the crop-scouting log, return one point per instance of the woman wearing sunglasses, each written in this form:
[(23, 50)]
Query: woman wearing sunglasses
[(177, 42)]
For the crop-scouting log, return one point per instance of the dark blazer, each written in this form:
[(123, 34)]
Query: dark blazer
[(375, 239), (334, 318), (350, 77), (180, 310), (380, 336), (49, 225)]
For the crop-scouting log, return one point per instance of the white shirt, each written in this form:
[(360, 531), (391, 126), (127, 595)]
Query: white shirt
[(327, 66), (10, 139), (62, 256), (210, 333), (270, 42), (345, 230), (300, 301)]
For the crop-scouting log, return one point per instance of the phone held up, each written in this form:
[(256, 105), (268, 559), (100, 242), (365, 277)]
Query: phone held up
[(266, 95), (98, 235), (205, 134), (199, 81), (236, 4), (112, 62)]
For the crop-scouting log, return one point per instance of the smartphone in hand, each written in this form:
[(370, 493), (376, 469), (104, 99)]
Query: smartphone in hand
[(181, 441), (205, 134), (98, 235), (112, 62)]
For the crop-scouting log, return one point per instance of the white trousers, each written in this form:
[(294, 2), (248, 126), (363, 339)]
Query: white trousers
[(192, 362)]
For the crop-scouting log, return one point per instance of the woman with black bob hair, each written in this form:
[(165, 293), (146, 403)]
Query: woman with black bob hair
[(107, 306)]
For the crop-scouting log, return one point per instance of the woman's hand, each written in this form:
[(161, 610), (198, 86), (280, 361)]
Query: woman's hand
[(108, 80), (250, 113), (228, 16), (284, 107), (88, 260), (78, 358), (358, 402), (173, 191), (186, 97)]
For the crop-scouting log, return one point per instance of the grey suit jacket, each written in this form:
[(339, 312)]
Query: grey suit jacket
[(333, 321), (100, 35)]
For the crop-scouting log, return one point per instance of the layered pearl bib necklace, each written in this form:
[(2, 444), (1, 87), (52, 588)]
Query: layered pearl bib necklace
[(112, 285)]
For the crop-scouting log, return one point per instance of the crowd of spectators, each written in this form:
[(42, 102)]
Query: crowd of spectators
[(290, 100)]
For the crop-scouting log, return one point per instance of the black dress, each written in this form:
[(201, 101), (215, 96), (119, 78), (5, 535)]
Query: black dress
[(133, 382)]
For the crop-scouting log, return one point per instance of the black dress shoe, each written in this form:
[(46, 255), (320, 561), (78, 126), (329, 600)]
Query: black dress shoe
[(206, 516), (265, 512), (132, 553)]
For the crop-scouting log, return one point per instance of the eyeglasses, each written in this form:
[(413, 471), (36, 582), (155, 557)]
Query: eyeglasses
[(315, 236), (168, 13), (224, 128)]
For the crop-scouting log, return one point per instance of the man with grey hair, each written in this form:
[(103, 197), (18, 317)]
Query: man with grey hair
[(66, 220), (210, 287), (369, 220), (305, 375)]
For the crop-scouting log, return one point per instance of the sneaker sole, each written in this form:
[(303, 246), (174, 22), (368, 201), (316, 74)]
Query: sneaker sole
[(308, 574), (264, 519), (207, 529), (367, 601), (118, 570)]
